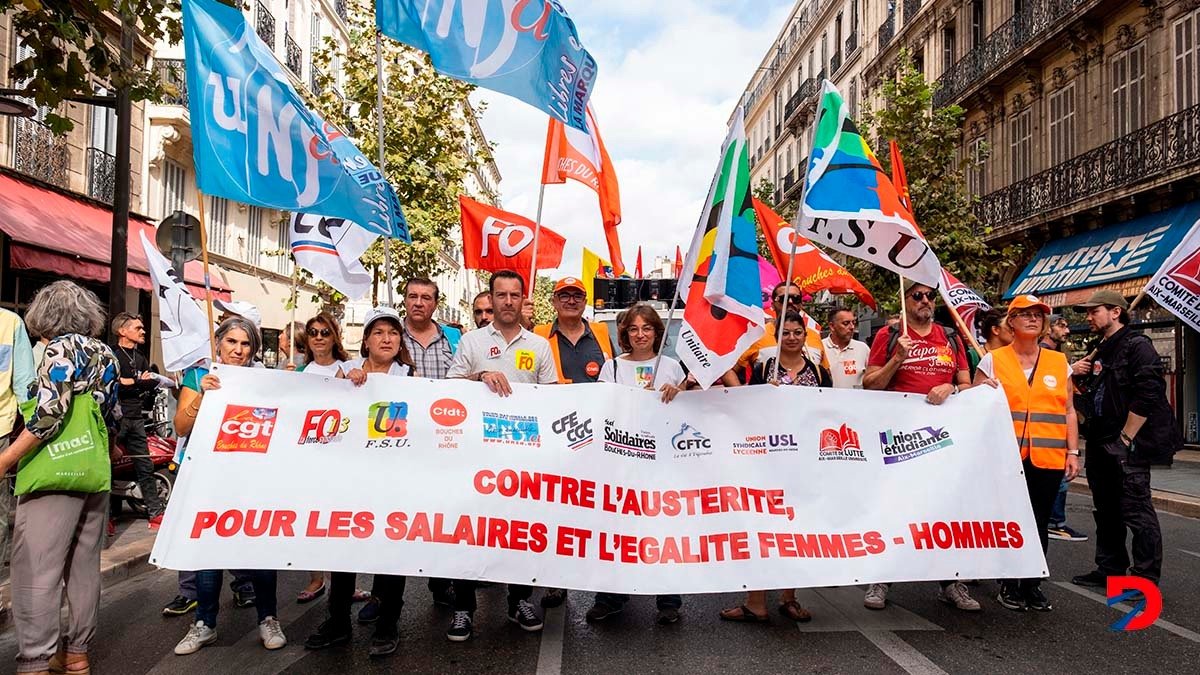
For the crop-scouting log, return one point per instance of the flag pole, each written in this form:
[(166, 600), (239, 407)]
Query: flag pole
[(212, 330), (903, 308), (962, 326), (537, 232), (387, 243), (665, 341), (787, 286), (292, 325)]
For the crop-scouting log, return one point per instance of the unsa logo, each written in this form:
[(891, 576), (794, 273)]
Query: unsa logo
[(447, 412)]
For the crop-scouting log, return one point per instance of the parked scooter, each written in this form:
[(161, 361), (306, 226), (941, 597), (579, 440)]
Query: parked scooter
[(162, 453)]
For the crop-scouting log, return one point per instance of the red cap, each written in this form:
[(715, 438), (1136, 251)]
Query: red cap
[(569, 282)]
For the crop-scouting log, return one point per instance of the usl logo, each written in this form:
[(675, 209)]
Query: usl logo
[(246, 429), (578, 432), (1143, 594), (387, 419), (323, 426), (447, 412)]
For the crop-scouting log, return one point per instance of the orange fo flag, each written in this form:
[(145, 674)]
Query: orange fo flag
[(496, 240), (814, 270), (582, 157)]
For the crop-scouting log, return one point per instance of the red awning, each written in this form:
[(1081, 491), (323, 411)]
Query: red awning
[(53, 232)]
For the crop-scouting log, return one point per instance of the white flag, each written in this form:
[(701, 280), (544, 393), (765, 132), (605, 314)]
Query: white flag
[(182, 324), (1176, 285), (330, 249), (964, 300)]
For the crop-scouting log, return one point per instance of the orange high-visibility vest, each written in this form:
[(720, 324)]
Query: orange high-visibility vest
[(1039, 408), (599, 331)]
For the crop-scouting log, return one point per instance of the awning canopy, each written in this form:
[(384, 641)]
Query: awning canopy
[(1136, 248), (53, 232)]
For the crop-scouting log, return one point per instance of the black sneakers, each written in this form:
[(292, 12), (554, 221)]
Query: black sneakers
[(1010, 597), (601, 611), (554, 597), (179, 606), (524, 615), (329, 634), (244, 598), (383, 644), (460, 627), (1036, 600), (1094, 579)]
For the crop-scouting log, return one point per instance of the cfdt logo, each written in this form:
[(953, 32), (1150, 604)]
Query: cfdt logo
[(447, 412), (246, 429), (1143, 594), (387, 424)]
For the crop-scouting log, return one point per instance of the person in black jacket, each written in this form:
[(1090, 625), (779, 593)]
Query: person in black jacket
[(1129, 425)]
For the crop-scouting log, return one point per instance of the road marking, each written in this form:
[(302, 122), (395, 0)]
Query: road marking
[(1191, 553), (551, 649), (841, 609), (905, 655), (1161, 623)]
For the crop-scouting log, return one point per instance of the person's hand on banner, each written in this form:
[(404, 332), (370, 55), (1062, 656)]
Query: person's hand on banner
[(1072, 467), (497, 382), (358, 376), (210, 382), (939, 394), (991, 382), (668, 392)]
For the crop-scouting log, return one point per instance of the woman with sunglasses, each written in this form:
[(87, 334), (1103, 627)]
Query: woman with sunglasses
[(1037, 384)]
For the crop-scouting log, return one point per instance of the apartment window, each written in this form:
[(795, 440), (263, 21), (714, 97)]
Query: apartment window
[(825, 52), (314, 35), (174, 183), (1129, 89), (837, 34), (218, 224), (977, 20), (1020, 133), (1062, 124), (1187, 43), (254, 236), (948, 48), (976, 165), (853, 16), (283, 263), (104, 126)]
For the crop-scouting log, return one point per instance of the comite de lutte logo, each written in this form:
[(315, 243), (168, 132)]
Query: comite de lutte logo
[(902, 446), (841, 444)]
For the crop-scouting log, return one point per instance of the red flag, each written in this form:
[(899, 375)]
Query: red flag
[(678, 262), (637, 272), (496, 240), (814, 270), (571, 153)]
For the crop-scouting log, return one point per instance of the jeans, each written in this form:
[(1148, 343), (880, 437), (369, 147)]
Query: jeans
[(208, 594), (132, 436), (618, 600), (388, 589), (464, 595), (187, 583), (1058, 515), (1121, 497)]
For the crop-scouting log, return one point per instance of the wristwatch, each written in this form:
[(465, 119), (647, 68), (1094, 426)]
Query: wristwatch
[(1073, 452), (1125, 437)]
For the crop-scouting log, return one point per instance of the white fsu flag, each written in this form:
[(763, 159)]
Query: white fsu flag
[(182, 324), (1176, 285), (330, 249)]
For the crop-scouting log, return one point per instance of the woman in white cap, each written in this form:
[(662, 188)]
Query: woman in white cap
[(383, 348), (1037, 384)]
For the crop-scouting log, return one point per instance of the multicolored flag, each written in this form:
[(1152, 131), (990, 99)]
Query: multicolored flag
[(255, 141), (1176, 285), (527, 49), (498, 240), (814, 270), (581, 156), (723, 316), (850, 204), (182, 324), (330, 248)]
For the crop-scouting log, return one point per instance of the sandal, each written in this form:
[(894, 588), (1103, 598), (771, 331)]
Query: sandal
[(360, 595), (743, 615), (308, 596), (794, 611)]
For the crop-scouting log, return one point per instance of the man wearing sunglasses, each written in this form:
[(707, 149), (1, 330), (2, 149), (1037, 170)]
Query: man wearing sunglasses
[(766, 347), (580, 347), (928, 359)]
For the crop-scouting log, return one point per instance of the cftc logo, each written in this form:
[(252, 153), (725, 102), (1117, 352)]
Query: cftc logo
[(1143, 594)]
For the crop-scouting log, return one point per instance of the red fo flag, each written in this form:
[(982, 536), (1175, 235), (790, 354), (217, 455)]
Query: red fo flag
[(496, 240), (814, 270), (678, 262), (637, 270), (571, 153)]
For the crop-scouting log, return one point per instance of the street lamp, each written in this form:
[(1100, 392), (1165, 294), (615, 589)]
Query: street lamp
[(14, 107)]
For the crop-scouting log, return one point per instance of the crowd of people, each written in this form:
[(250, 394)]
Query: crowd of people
[(76, 384)]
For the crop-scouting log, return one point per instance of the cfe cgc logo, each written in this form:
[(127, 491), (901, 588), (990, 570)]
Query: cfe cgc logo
[(901, 446), (246, 429), (841, 444), (448, 414), (323, 426), (1140, 592), (387, 424), (578, 432), (511, 429)]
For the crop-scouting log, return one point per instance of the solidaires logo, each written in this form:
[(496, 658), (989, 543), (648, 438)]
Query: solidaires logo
[(901, 446), (640, 445)]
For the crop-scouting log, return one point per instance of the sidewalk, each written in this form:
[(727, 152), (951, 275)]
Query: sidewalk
[(1176, 488)]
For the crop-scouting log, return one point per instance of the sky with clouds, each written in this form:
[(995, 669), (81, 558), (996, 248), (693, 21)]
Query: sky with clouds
[(669, 76)]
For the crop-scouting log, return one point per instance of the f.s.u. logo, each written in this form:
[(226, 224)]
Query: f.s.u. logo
[(387, 419), (1146, 609)]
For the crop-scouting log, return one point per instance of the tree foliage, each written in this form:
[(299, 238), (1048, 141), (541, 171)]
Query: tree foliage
[(76, 42), (929, 141)]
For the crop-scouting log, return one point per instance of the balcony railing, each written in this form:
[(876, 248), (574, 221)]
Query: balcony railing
[(264, 24), (887, 31), (340, 8), (911, 7), (294, 55), (835, 62), (102, 175), (1036, 19), (1169, 144), (173, 73), (314, 79), (791, 185), (798, 106), (39, 153)]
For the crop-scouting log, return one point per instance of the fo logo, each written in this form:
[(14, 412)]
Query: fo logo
[(323, 426), (387, 419), (246, 429), (446, 412), (1143, 594)]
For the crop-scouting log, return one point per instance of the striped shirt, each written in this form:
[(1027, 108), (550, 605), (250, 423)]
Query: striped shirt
[(434, 361)]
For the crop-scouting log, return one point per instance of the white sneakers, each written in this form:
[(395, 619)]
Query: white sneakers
[(200, 635), (956, 594), (876, 597)]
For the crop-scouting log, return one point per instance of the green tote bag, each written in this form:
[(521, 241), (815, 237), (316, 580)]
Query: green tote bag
[(75, 459)]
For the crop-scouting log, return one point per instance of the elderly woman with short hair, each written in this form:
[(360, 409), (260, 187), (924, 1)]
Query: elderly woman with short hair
[(58, 534)]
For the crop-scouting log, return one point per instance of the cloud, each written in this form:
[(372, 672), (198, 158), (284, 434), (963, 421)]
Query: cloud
[(669, 77)]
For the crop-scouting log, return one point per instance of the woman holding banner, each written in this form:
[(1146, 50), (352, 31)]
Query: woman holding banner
[(1037, 384), (640, 334), (797, 370), (238, 341)]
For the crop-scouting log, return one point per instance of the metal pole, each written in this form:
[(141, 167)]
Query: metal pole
[(387, 242), (119, 251), (212, 328), (537, 231), (787, 286), (666, 340)]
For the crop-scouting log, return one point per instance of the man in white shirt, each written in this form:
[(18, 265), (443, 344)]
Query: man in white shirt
[(498, 355), (847, 356)]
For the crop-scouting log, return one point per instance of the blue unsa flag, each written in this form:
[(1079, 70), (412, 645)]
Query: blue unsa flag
[(527, 49), (255, 141)]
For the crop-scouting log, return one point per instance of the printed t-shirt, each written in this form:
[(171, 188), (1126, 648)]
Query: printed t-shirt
[(526, 359), (932, 361), (641, 373)]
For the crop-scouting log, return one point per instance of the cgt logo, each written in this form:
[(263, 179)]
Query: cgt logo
[(1143, 594), (323, 426), (387, 424), (246, 429)]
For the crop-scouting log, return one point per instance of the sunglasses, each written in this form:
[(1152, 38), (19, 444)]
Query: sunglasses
[(923, 295), (792, 299), (319, 332)]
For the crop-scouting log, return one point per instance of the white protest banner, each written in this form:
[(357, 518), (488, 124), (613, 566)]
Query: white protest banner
[(1176, 285), (598, 486)]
